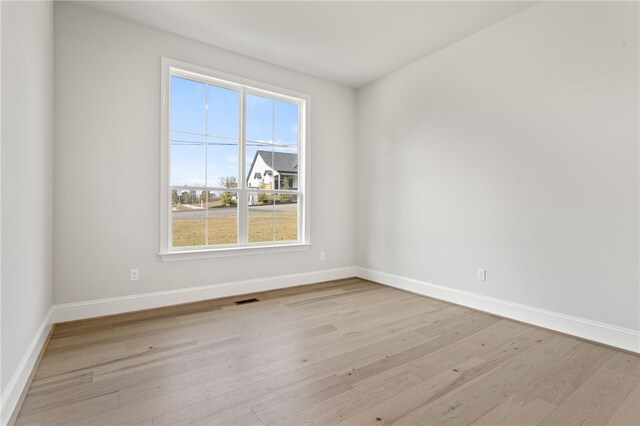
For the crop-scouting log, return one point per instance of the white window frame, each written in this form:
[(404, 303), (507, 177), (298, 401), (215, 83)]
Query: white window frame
[(171, 67)]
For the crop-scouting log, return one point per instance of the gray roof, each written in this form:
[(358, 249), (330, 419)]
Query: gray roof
[(280, 161)]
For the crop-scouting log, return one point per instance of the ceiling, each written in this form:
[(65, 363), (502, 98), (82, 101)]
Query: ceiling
[(352, 43)]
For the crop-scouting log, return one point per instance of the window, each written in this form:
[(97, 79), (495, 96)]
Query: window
[(233, 162)]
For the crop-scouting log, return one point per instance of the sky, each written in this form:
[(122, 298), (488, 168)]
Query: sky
[(270, 124)]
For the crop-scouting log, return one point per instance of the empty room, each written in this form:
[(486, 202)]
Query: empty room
[(320, 213)]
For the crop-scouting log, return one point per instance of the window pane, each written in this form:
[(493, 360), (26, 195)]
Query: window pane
[(222, 162), (188, 111), (272, 169), (285, 123), (187, 163), (261, 218), (261, 171), (286, 167), (188, 217), (181, 137), (255, 170), (273, 217), (205, 164), (272, 143), (286, 217), (259, 119), (222, 217), (222, 114)]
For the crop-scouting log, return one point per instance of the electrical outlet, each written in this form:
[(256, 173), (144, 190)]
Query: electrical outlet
[(481, 274), (322, 255), (134, 275)]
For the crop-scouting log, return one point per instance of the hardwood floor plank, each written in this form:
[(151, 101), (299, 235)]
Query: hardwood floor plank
[(401, 404), (628, 414), (467, 404), (71, 413), (336, 409), (451, 377), (354, 334), (599, 397), (432, 345), (515, 411), (234, 416), (501, 337), (564, 378), (66, 395), (275, 408), (340, 352), (287, 377), (143, 410), (158, 341), (144, 359)]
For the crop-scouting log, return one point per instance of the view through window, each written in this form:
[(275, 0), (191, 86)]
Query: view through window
[(234, 164)]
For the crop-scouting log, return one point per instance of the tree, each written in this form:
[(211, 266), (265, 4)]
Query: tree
[(175, 199), (226, 198), (185, 197), (285, 198), (262, 197), (227, 182)]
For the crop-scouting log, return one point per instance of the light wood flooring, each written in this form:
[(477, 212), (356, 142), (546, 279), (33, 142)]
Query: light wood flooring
[(341, 352)]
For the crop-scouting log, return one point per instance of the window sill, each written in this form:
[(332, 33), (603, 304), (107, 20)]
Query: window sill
[(229, 252)]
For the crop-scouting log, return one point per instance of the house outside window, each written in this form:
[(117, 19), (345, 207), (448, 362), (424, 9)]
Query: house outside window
[(233, 164)]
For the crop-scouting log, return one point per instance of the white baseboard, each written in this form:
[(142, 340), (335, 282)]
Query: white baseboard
[(599, 332), (17, 383), (592, 330), (118, 305), (607, 334)]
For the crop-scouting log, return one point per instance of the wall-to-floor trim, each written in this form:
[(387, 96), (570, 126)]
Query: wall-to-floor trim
[(118, 305), (607, 334), (20, 378)]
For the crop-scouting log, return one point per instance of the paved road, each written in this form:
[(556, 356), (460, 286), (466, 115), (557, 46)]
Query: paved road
[(229, 211)]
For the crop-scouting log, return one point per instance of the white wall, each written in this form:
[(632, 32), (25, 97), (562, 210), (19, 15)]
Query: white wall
[(107, 157), (27, 174), (515, 150)]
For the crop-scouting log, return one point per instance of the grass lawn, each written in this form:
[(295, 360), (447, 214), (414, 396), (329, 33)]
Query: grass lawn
[(263, 226)]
